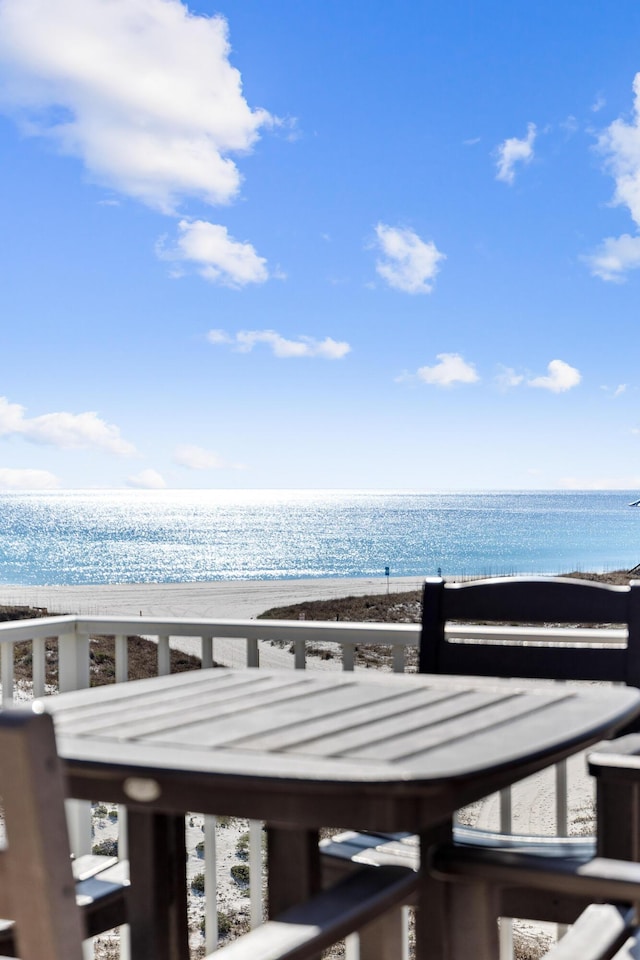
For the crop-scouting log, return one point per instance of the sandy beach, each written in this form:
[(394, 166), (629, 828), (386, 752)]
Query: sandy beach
[(225, 599)]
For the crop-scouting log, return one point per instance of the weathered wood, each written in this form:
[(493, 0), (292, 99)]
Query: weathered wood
[(101, 893), (304, 930), (40, 892), (597, 935), (157, 898), (549, 889), (616, 767), (598, 879), (333, 737), (294, 867), (303, 752)]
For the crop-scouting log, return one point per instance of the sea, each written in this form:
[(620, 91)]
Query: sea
[(136, 536)]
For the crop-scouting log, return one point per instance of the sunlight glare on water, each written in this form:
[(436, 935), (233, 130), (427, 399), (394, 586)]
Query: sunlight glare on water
[(122, 536)]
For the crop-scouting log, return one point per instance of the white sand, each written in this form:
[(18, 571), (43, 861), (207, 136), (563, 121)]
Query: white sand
[(226, 599)]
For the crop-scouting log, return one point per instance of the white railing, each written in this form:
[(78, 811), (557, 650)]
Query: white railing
[(250, 643)]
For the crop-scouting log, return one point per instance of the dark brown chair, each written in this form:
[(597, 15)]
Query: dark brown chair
[(529, 600), (599, 897), (504, 605), (490, 880), (37, 859), (502, 653), (37, 888)]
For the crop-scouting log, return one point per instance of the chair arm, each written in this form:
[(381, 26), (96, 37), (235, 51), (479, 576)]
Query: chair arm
[(617, 759), (304, 930), (597, 934), (596, 879)]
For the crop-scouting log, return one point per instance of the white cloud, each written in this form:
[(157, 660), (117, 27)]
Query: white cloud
[(508, 378), (513, 151), (561, 377), (197, 458), (142, 91), (410, 264), (245, 340), (615, 392), (147, 480), (620, 142), (570, 125), (451, 369), (615, 257), (64, 430), (598, 103), (217, 256), (15, 479)]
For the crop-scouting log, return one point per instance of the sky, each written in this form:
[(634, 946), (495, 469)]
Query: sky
[(320, 244)]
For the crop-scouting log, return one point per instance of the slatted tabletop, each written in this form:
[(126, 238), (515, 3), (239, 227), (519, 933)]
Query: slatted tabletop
[(255, 740), (302, 750)]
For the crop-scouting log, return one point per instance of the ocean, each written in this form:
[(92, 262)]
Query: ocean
[(122, 536)]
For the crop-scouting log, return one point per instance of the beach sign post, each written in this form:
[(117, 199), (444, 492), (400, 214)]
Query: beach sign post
[(386, 573)]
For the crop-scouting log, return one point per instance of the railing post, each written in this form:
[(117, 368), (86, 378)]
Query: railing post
[(122, 659), (210, 885), (164, 657), (562, 788), (253, 656), (348, 658), (73, 662), (206, 656), (255, 871), (73, 674), (398, 655), (39, 666), (300, 653), (6, 666)]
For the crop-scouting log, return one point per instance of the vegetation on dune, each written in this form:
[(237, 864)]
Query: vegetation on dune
[(392, 607), (142, 653)]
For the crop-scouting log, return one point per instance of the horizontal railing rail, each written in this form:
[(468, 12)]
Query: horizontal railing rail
[(213, 640)]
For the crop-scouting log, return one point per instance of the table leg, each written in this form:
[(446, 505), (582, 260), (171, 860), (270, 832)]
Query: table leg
[(158, 894), (293, 859), (454, 920)]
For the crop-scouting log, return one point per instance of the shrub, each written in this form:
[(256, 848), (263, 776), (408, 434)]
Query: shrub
[(240, 873), (197, 884), (105, 848), (242, 847)]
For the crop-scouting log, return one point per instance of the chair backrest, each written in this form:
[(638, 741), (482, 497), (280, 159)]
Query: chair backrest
[(530, 600), (37, 888)]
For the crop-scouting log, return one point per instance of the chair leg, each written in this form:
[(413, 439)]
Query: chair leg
[(618, 812), (293, 867), (384, 938)]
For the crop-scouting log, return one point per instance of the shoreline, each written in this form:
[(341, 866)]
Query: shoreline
[(217, 599)]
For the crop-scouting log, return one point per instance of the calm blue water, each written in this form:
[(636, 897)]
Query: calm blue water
[(171, 536)]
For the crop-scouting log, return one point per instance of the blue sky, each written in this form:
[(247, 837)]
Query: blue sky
[(319, 244)]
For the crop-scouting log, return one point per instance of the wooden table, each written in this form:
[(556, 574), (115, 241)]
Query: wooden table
[(303, 750)]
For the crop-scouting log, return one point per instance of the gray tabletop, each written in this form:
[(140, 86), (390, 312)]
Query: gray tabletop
[(364, 749)]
